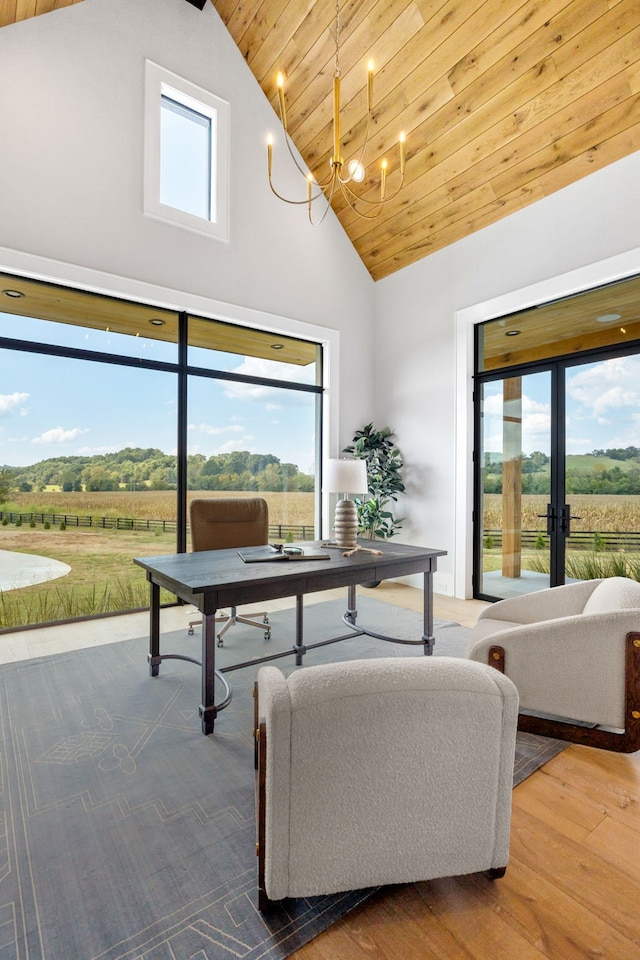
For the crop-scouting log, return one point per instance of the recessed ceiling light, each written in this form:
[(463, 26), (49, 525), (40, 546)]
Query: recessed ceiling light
[(157, 322), (608, 317), (16, 294), (277, 346), (512, 333)]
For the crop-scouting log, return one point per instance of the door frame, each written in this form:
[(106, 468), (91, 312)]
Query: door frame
[(620, 267)]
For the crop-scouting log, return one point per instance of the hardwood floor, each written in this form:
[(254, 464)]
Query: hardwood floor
[(571, 890), (572, 887)]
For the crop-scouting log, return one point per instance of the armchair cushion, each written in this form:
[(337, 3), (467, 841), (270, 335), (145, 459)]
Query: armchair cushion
[(616, 593)]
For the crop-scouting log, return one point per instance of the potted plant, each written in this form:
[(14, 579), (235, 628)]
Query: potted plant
[(384, 466)]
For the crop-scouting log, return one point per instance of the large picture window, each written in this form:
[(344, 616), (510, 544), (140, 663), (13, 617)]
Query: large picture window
[(113, 415)]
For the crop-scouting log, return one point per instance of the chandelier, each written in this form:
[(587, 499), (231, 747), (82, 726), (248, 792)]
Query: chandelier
[(338, 180)]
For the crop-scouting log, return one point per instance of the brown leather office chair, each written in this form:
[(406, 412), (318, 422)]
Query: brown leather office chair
[(223, 523)]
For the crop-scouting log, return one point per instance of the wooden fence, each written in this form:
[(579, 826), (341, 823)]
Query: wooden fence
[(581, 539), (277, 531)]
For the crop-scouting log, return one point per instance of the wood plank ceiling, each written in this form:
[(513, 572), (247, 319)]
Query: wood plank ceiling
[(503, 102)]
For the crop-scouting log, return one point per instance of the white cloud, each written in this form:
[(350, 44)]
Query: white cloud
[(59, 435), (208, 430), (274, 370), (13, 403), (536, 422), (601, 389), (92, 451)]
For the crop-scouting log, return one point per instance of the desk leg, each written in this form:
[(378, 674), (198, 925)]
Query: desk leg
[(208, 710), (427, 637), (299, 648), (154, 657), (351, 614)]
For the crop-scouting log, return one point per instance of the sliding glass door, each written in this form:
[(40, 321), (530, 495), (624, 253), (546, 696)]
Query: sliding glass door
[(558, 475), (514, 485), (601, 519)]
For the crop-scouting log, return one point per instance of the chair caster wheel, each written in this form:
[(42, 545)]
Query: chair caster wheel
[(265, 619), (267, 634), (220, 643), (190, 631)]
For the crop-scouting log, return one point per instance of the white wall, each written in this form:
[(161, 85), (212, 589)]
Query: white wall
[(71, 185), (581, 236)]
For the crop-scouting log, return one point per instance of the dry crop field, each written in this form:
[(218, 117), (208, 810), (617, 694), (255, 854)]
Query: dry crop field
[(286, 508), (615, 514)]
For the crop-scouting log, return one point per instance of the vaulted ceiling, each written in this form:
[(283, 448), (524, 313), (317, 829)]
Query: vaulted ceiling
[(503, 102)]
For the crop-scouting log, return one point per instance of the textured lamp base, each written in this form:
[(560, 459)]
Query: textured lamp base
[(346, 524)]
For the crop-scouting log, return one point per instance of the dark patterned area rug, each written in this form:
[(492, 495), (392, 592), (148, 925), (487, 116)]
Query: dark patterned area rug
[(125, 834)]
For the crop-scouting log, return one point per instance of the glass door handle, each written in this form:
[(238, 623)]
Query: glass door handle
[(566, 518), (551, 519)]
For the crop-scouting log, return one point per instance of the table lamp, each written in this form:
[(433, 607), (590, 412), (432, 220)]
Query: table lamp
[(345, 477)]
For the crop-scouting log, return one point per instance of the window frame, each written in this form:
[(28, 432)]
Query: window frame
[(159, 83)]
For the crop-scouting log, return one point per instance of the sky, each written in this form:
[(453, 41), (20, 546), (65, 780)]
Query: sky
[(602, 406), (51, 407)]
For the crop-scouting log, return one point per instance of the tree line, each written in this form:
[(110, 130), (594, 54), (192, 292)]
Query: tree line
[(137, 468), (601, 479)]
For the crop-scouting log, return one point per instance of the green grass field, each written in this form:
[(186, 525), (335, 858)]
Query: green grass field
[(103, 577)]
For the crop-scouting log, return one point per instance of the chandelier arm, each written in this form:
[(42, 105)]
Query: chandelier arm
[(287, 141), (295, 203), (379, 202), (317, 223), (350, 197), (321, 183)]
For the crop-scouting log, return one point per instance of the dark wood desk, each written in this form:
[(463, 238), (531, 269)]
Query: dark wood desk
[(213, 580)]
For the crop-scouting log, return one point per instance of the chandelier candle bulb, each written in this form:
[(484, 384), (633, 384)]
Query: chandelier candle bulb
[(370, 86), (270, 153), (280, 86)]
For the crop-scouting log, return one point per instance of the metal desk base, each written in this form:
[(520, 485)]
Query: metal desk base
[(209, 709)]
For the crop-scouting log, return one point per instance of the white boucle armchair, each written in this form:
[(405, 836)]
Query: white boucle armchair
[(573, 652), (382, 771)]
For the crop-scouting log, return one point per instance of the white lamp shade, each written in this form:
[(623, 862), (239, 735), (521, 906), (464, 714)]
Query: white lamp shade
[(345, 476)]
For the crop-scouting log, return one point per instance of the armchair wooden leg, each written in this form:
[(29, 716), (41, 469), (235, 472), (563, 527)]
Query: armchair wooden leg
[(626, 742), (255, 726), (261, 786)]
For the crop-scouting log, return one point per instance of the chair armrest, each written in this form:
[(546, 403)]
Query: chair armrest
[(546, 604), (572, 667), (274, 709)]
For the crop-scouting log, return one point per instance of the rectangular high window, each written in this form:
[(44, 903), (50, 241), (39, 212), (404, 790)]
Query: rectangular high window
[(186, 154), (186, 163)]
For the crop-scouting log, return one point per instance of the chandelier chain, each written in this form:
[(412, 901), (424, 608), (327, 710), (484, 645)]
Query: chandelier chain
[(337, 70)]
